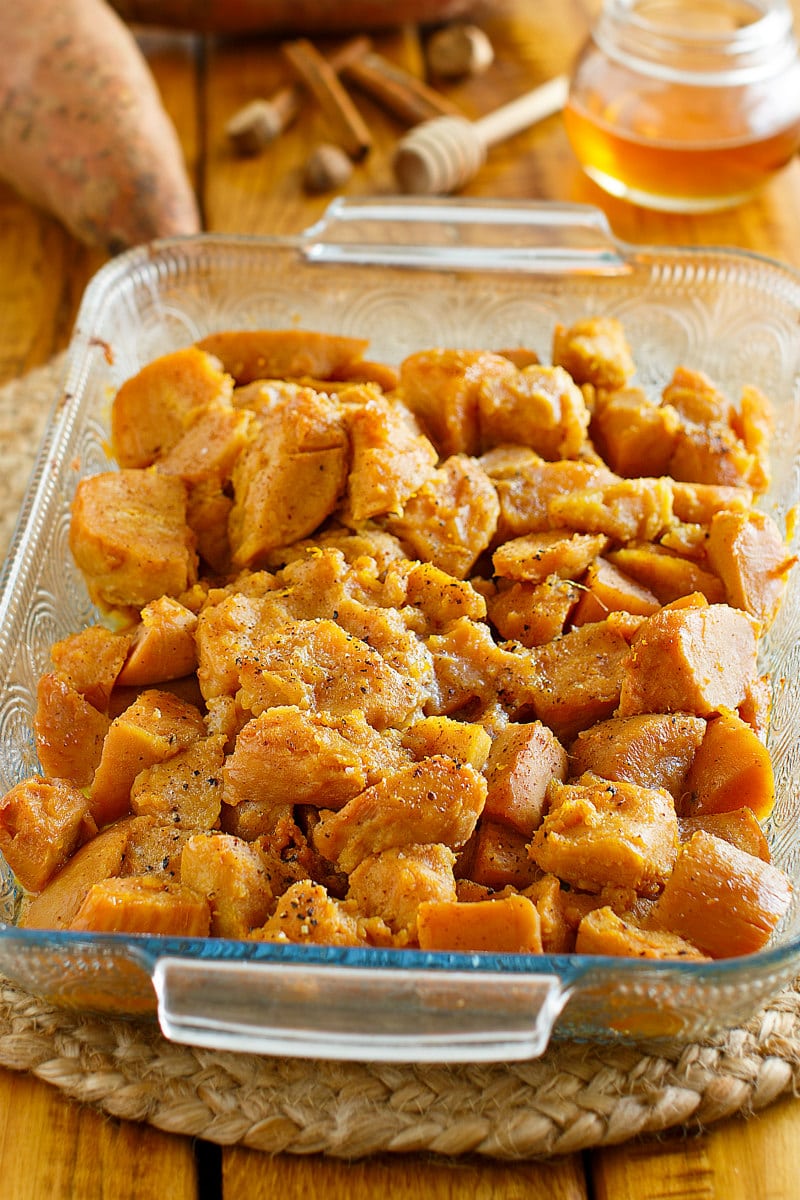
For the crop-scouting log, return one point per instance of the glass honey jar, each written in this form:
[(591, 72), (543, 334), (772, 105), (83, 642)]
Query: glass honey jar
[(686, 105)]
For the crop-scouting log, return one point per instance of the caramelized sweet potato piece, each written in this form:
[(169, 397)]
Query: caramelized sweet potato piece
[(652, 749), (697, 398), (712, 454), (628, 510), (250, 354), (755, 425), (507, 926), (597, 833), (537, 556), (496, 856), (594, 350), (732, 767), (442, 388), (154, 728), (91, 661), (475, 675), (130, 539), (451, 519), (634, 436), (533, 613), (580, 676), (667, 575), (69, 731), (289, 478), (154, 408), (605, 589), (102, 857), (186, 789), (210, 446), (698, 502), (695, 660), (390, 456), (539, 406), (230, 873), (42, 822), (305, 913), (143, 904), (393, 884), (522, 761), (435, 800), (441, 597), (154, 848), (162, 646), (739, 826), (602, 932), (525, 485), (724, 901), (289, 756), (751, 558), (317, 665), (465, 741)]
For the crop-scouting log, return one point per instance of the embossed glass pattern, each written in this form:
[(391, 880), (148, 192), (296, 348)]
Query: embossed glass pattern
[(406, 275)]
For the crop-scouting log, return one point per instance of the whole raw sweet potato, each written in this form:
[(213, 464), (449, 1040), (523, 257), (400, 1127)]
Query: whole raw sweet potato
[(83, 132)]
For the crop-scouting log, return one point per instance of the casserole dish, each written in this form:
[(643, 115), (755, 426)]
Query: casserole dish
[(407, 275)]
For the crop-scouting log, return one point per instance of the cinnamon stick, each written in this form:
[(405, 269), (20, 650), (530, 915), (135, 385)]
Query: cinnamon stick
[(397, 90), (253, 127), (317, 74)]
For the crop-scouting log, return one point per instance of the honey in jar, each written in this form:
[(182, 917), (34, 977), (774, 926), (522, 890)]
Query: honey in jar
[(686, 105)]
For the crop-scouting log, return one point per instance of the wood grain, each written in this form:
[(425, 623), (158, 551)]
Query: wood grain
[(250, 1176), (52, 1149)]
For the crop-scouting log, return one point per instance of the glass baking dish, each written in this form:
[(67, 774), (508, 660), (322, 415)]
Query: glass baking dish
[(407, 275)]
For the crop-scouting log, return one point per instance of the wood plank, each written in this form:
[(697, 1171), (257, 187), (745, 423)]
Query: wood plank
[(755, 1159), (248, 1175), (54, 1149)]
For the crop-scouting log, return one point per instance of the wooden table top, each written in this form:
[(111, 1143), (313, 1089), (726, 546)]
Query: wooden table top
[(51, 1147)]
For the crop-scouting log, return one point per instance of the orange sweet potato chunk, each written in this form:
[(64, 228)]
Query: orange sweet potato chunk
[(154, 408), (695, 660), (496, 856), (186, 790), (634, 436), (162, 645), (525, 484), (69, 731), (390, 456), (100, 858), (654, 750), (435, 800), (143, 904), (465, 741), (603, 932), (605, 589), (306, 914), (627, 510), (724, 901), (507, 926), (522, 761), (732, 767), (537, 556), (594, 350), (532, 613), (669, 576), (130, 539), (392, 885), (154, 728), (539, 406), (230, 873), (751, 558), (249, 354), (42, 823), (442, 388), (597, 832), (739, 826), (91, 660)]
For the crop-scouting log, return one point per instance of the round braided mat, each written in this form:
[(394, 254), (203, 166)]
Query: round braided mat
[(573, 1098)]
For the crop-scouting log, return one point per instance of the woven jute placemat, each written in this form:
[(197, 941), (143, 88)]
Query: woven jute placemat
[(573, 1098)]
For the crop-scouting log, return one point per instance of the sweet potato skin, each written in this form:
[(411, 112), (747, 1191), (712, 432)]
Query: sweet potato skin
[(83, 132)]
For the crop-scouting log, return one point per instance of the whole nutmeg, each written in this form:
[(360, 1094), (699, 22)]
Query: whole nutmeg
[(458, 50), (327, 168)]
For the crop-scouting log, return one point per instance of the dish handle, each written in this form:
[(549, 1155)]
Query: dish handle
[(533, 237), (309, 1010)]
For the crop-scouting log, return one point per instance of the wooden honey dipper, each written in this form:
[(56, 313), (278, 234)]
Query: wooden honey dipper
[(443, 154)]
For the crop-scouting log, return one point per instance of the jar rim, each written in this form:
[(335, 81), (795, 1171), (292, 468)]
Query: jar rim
[(705, 54)]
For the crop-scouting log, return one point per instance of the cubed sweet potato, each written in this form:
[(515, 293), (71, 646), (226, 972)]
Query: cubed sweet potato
[(724, 901), (594, 350), (597, 833), (732, 767), (651, 749), (42, 823), (751, 558), (507, 926), (230, 873), (250, 354), (602, 932), (523, 759), (393, 884), (69, 731), (739, 826), (143, 904)]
